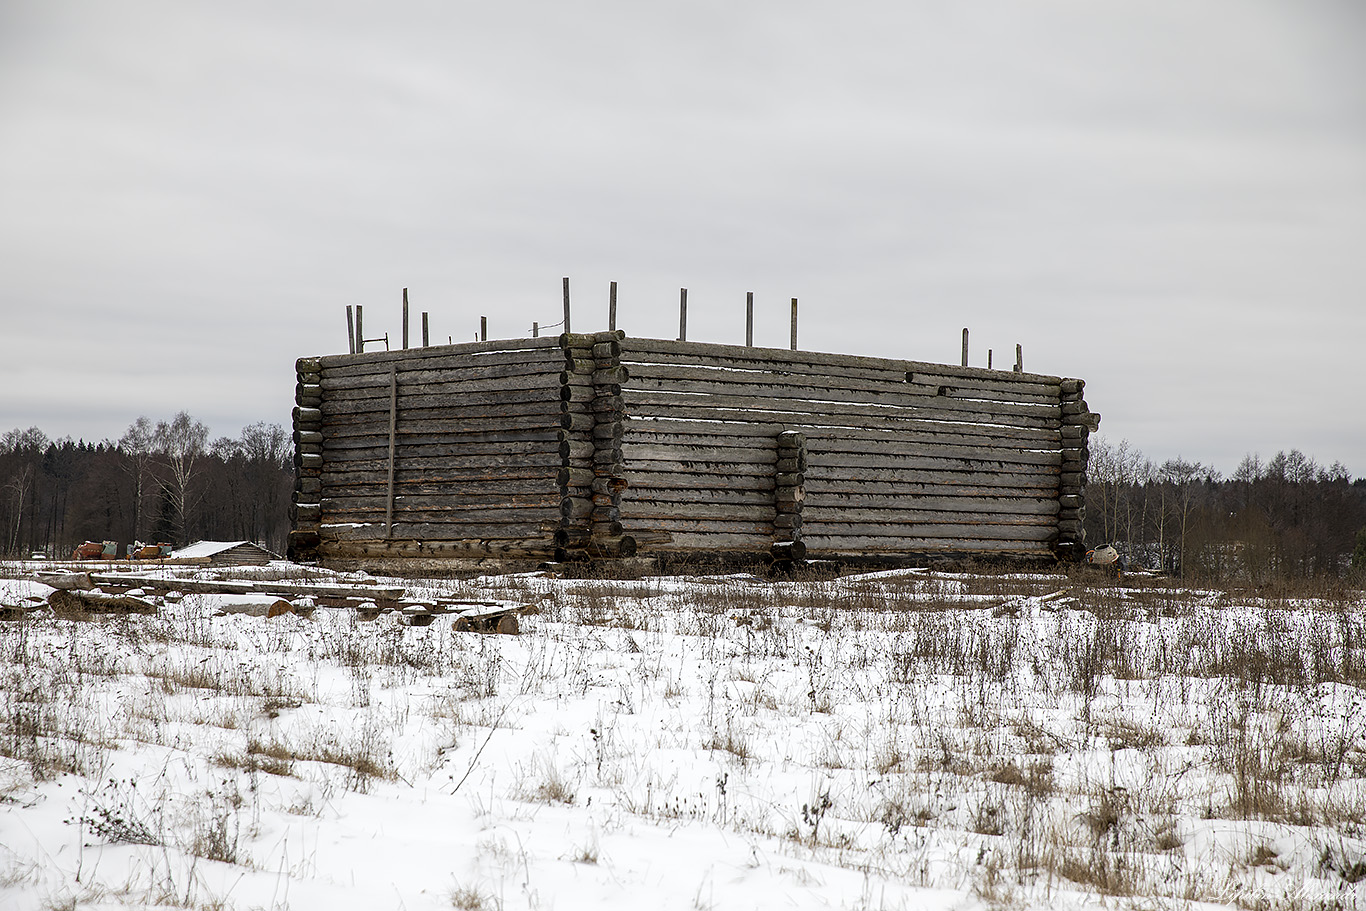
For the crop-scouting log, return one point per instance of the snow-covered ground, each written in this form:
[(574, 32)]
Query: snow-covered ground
[(908, 739)]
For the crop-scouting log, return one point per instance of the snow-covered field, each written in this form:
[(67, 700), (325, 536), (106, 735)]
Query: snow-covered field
[(912, 739)]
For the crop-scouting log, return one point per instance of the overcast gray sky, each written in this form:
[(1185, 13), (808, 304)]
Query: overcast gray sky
[(1166, 198)]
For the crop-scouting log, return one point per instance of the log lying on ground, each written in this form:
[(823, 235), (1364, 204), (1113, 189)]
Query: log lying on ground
[(79, 601), (253, 605), (285, 590), (65, 580)]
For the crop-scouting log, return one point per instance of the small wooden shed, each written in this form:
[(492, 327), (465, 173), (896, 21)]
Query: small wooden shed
[(600, 446), (224, 553)]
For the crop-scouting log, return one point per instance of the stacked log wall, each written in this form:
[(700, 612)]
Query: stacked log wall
[(901, 458), (438, 454), (589, 446)]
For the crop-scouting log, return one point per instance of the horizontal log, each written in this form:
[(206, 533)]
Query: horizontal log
[(440, 395), (738, 497), (695, 466), (575, 477), (530, 548), (801, 379), (830, 546), (307, 418), (622, 546), (307, 436), (577, 423), (752, 455), (491, 350), (660, 350), (662, 405), (609, 486), (442, 513), (1007, 503), (949, 458), (644, 398), (813, 527), (795, 395), (607, 404), (607, 350), (454, 378), (571, 393), (534, 484), (617, 376), (610, 529), (923, 517), (759, 531), (339, 451), (576, 507), (609, 469), (420, 465), (308, 365), (717, 432), (443, 474), (572, 537), (444, 500), (709, 543), (513, 422), (436, 531), (645, 512), (577, 449), (942, 471), (582, 366)]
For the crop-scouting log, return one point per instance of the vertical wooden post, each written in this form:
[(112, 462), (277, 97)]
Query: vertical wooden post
[(405, 318), (566, 303), (749, 319), (612, 307), (483, 328), (1019, 359), (424, 329), (350, 331), (360, 331), (393, 441), (794, 324), (965, 346), (682, 314), (535, 329), (988, 358)]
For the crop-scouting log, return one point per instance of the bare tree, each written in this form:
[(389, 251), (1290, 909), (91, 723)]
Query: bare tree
[(1184, 478), (27, 448), (267, 451), (137, 445), (180, 443)]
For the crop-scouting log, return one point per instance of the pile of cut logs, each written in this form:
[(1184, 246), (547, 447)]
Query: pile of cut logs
[(77, 593)]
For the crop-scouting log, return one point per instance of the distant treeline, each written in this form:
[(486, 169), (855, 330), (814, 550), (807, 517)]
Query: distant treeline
[(1278, 520), (163, 482), (166, 482)]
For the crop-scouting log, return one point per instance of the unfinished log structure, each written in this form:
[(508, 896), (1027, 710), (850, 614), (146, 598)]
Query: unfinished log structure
[(600, 446)]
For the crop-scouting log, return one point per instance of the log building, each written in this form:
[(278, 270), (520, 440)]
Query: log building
[(598, 446)]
